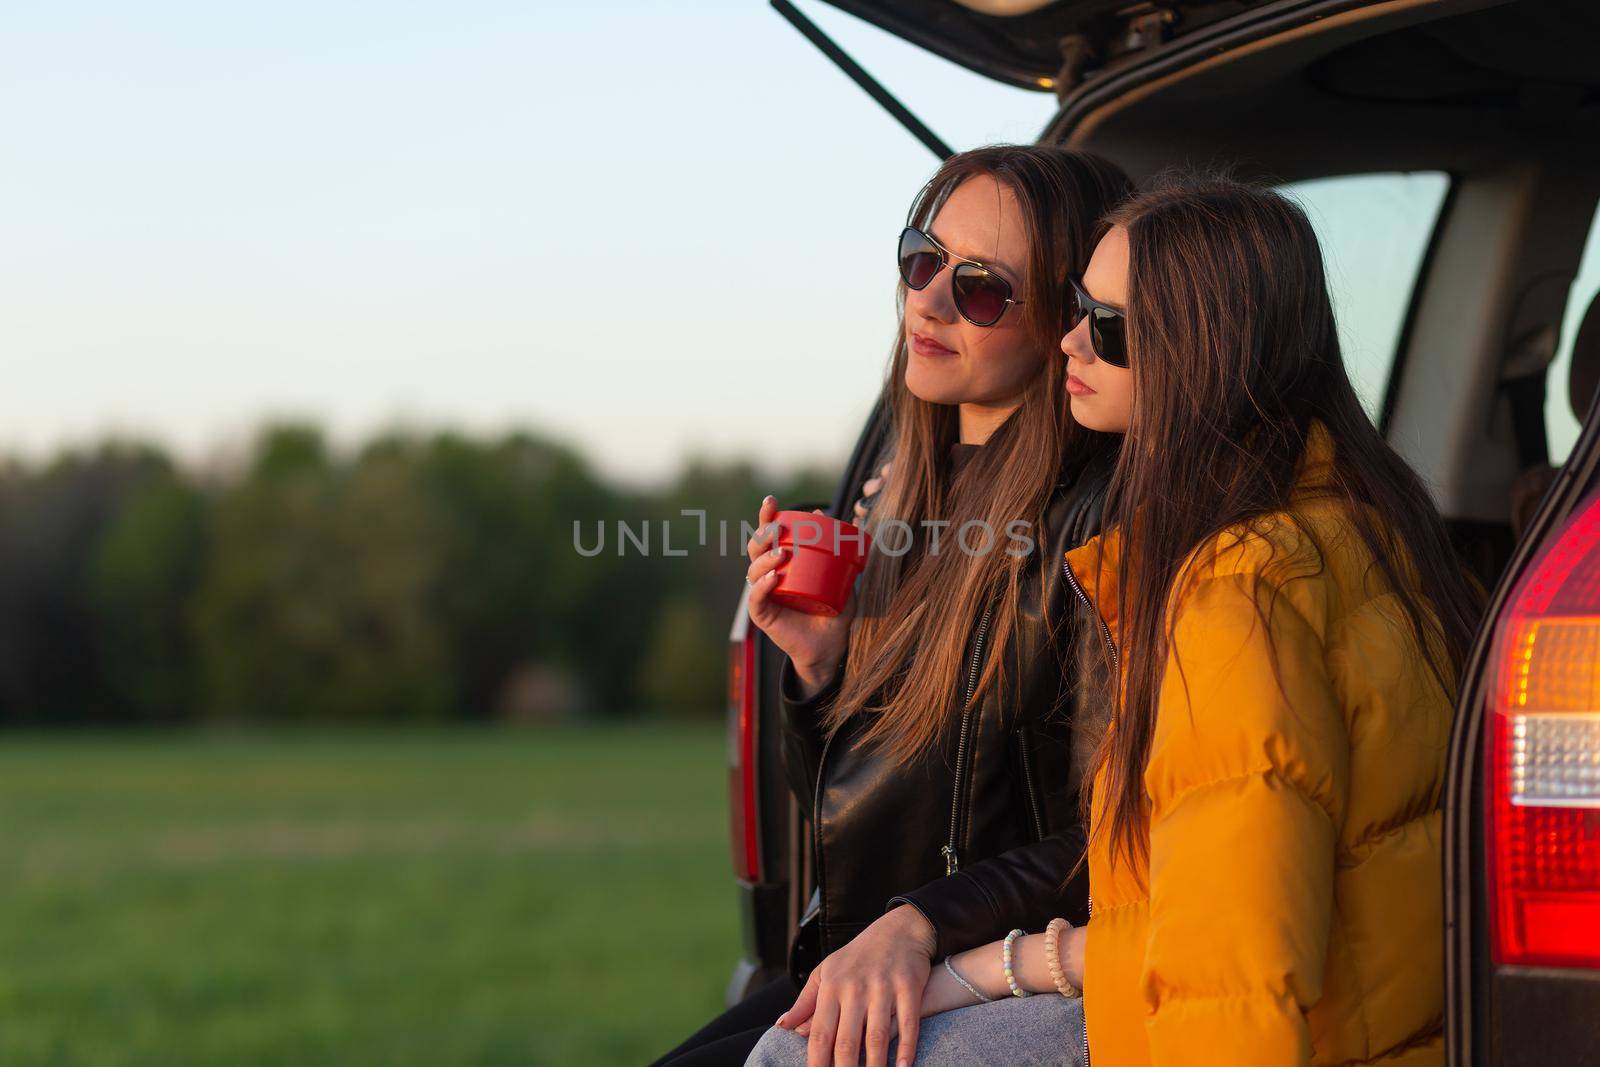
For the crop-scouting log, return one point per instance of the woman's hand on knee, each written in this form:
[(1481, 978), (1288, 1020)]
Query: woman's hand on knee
[(867, 994)]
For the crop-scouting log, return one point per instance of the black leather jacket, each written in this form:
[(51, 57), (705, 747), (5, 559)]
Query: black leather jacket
[(980, 833)]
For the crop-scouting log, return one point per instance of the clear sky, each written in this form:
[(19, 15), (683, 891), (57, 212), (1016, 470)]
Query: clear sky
[(650, 229), (647, 228)]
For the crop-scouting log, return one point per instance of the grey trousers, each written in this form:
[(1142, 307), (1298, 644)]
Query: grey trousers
[(1039, 1031)]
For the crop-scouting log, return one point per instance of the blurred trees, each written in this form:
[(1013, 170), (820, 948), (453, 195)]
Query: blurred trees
[(143, 574), (56, 624), (315, 602), (421, 577)]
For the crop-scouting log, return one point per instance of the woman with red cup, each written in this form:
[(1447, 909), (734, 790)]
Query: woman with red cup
[(1279, 621), (923, 722)]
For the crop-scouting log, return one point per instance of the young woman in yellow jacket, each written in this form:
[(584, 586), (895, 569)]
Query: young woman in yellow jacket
[(1290, 617), (1281, 618)]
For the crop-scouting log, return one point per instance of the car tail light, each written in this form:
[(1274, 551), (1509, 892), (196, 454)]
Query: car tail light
[(1543, 795), (744, 816)]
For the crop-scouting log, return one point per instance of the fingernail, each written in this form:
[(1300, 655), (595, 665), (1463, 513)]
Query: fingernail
[(782, 1017)]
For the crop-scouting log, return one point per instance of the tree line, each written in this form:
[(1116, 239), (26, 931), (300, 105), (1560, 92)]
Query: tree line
[(420, 577)]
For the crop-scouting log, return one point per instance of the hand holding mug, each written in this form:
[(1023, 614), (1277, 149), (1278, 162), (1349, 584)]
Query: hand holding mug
[(810, 621)]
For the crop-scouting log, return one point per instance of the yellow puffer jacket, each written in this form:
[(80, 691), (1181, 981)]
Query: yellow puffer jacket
[(1290, 909)]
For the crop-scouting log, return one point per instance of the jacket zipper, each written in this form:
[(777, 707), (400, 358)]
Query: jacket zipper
[(816, 843), (952, 861), (1116, 673), (1105, 631), (1027, 780), (1087, 917)]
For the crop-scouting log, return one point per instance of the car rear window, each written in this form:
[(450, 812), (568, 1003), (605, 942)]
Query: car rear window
[(1561, 422), (1374, 230)]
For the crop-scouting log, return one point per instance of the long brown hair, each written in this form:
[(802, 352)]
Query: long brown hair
[(916, 612), (1235, 356)]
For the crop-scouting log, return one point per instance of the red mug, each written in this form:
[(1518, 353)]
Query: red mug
[(825, 555)]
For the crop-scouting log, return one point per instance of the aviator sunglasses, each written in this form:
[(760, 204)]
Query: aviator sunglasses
[(981, 296), (1107, 326)]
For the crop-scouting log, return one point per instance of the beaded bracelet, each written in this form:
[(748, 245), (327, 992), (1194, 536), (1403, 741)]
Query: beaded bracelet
[(1005, 958), (1052, 955), (962, 982)]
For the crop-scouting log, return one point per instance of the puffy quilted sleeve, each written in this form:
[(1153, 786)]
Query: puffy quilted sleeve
[(1247, 778)]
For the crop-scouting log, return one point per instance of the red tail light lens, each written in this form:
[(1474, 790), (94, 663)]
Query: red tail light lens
[(1543, 794), (744, 816)]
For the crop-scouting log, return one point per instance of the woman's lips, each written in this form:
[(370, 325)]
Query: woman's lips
[(1076, 387), (927, 346)]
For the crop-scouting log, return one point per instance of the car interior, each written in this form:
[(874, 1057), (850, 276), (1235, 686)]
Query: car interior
[(1448, 152), (1500, 101)]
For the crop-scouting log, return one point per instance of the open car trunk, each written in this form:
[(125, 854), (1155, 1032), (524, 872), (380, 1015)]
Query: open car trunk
[(1499, 97), (1049, 46)]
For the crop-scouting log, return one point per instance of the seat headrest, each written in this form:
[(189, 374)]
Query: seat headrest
[(1583, 377)]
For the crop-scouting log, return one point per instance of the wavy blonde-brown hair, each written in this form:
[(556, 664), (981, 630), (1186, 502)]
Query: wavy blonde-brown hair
[(907, 660)]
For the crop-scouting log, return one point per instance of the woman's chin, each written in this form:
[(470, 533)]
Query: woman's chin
[(933, 389), (1092, 416)]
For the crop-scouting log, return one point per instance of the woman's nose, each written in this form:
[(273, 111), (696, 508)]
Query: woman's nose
[(935, 300), (1076, 343)]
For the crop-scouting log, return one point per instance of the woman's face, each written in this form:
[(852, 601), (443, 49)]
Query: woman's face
[(949, 360), (1102, 395)]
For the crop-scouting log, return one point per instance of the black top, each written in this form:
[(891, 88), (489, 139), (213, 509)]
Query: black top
[(960, 456)]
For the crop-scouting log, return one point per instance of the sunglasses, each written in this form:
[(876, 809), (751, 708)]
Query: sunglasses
[(1108, 327), (981, 296)]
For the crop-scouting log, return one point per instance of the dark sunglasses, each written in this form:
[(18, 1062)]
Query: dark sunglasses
[(1108, 327), (981, 296)]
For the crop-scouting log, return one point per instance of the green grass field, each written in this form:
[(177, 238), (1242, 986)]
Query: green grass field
[(457, 897)]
